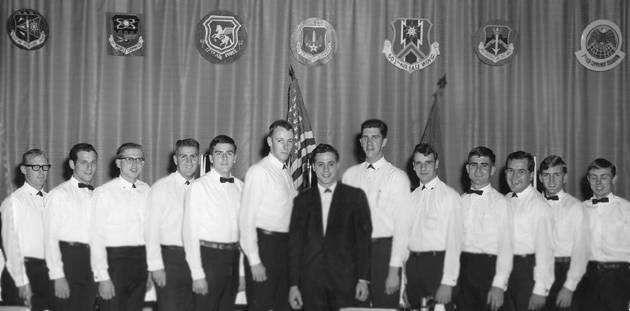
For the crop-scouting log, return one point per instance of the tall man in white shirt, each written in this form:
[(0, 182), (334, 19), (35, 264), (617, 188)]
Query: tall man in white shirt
[(67, 219), (388, 192), (606, 284), (532, 274), (117, 246), (211, 230), (23, 233), (435, 234), (486, 260), (264, 219), (166, 259), (569, 234)]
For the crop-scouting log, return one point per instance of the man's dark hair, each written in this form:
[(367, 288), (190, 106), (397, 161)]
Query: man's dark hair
[(375, 123), (522, 155), (279, 123), (221, 139), (425, 150), (552, 161), (186, 142), (74, 151), (482, 151), (125, 147), (29, 154), (323, 148), (601, 163)]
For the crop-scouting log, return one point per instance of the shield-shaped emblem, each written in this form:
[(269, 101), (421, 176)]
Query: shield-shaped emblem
[(221, 37), (126, 36), (495, 42), (314, 41), (411, 48), (27, 29)]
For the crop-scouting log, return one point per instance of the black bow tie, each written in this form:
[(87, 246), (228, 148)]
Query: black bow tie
[(284, 166), (39, 193), (472, 191), (224, 179), (327, 190), (552, 198), (371, 166), (84, 185), (602, 200), (133, 186), (514, 195), (187, 183)]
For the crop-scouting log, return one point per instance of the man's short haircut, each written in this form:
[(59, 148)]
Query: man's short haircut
[(522, 155), (279, 123), (552, 161), (186, 142), (221, 139), (30, 154), (375, 123), (125, 147), (482, 151), (323, 148), (74, 151), (425, 150), (601, 163)]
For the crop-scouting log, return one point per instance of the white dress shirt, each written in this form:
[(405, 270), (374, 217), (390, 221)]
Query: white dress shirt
[(488, 230), (67, 218), (437, 225), (165, 213), (326, 198), (609, 225), (533, 235), (22, 230), (388, 193), (210, 214), (118, 220), (267, 203), (570, 231)]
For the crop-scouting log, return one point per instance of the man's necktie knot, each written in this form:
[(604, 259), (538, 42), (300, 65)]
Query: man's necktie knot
[(226, 179), (84, 185)]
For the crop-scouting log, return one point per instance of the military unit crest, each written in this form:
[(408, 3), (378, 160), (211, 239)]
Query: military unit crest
[(222, 37), (28, 29), (314, 42), (600, 46), (126, 37), (496, 43), (411, 48)]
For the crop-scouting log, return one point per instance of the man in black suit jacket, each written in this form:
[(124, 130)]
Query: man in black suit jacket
[(329, 240)]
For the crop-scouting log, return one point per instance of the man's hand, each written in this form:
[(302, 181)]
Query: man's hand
[(295, 298), (25, 294), (259, 273), (159, 277), (392, 283), (536, 302), (495, 298), (564, 298), (362, 292), (62, 289), (443, 294), (200, 286), (106, 289)]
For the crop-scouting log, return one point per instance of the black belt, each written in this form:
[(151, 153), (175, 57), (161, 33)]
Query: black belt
[(272, 233), (34, 260), (74, 244), (427, 253), (562, 259), (217, 245), (381, 239), (607, 265), (479, 255), (524, 256), (172, 247)]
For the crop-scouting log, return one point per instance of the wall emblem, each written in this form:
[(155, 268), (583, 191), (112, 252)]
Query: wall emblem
[(496, 43), (28, 29), (601, 46), (126, 37), (411, 48), (314, 42), (222, 37)]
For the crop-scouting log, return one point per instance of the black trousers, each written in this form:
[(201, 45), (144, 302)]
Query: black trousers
[(319, 297), (221, 269), (560, 271), (521, 283), (604, 287), (177, 294), (76, 267), (37, 274), (128, 271), (272, 294), (475, 281), (381, 253), (424, 276)]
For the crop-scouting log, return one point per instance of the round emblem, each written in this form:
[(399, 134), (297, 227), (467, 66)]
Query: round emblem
[(314, 42), (600, 46), (496, 42), (222, 37), (28, 29)]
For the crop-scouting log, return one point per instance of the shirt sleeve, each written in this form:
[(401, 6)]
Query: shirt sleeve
[(453, 241), (543, 270), (54, 202), (401, 208), (155, 207), (579, 252), (98, 252), (253, 194), (505, 250), (11, 242), (192, 203)]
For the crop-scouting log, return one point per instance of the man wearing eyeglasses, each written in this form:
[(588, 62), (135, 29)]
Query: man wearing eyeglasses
[(486, 259), (388, 192), (23, 233), (533, 266), (163, 230), (67, 248), (211, 230), (117, 246)]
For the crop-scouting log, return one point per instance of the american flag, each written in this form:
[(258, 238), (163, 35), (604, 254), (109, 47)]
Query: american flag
[(304, 143)]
